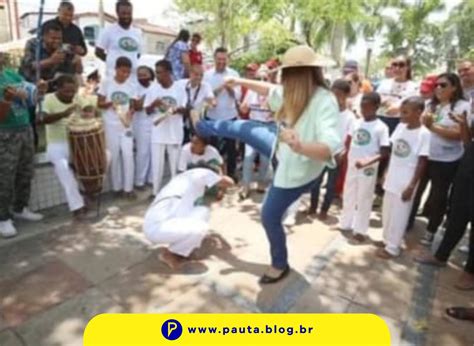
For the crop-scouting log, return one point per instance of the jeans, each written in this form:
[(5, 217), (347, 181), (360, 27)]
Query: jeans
[(275, 205), (260, 137), (330, 189)]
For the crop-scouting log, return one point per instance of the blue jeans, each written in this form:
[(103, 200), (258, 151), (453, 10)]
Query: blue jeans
[(330, 189), (274, 208), (247, 170), (259, 136)]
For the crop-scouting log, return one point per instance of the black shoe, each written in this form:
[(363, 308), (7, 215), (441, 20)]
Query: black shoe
[(268, 280)]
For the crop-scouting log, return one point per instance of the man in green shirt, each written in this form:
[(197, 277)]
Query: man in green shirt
[(16, 149)]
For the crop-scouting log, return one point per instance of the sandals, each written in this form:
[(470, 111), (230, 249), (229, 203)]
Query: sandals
[(463, 314)]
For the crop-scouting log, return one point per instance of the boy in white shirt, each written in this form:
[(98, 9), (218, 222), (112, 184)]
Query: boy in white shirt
[(175, 220), (408, 162), (370, 143), (165, 104), (118, 99), (199, 153)]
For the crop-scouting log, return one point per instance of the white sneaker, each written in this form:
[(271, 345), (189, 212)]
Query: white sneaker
[(464, 249), (7, 230), (289, 221), (28, 215)]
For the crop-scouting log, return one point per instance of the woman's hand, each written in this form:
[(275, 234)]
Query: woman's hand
[(230, 81), (291, 138), (428, 120)]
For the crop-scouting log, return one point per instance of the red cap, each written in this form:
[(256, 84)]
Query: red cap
[(428, 84)]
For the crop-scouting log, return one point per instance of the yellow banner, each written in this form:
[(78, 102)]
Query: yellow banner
[(236, 329)]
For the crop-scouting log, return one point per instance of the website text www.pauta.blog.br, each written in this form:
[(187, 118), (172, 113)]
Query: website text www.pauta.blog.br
[(269, 329)]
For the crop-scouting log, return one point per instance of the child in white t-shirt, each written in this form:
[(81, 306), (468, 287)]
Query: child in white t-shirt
[(370, 143), (408, 162), (166, 105), (118, 98), (199, 153)]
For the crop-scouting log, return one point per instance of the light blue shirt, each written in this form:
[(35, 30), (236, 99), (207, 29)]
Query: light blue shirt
[(226, 108)]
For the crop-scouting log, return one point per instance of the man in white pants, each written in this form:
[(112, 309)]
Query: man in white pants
[(163, 104), (174, 218), (57, 109)]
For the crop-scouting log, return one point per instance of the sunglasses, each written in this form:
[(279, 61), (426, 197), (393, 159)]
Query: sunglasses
[(399, 64), (442, 85)]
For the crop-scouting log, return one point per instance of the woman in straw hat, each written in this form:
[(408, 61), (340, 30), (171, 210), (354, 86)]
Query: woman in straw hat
[(303, 142)]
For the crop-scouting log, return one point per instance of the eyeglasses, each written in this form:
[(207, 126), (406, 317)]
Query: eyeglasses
[(442, 85), (400, 64)]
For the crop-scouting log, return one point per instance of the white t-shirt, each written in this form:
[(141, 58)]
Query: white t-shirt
[(367, 139), (447, 150), (141, 118), (407, 147), (170, 130), (118, 93), (118, 42), (395, 92), (348, 120), (179, 196), (211, 157), (226, 108), (197, 95), (258, 105)]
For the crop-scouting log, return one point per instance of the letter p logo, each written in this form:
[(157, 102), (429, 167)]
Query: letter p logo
[(171, 330)]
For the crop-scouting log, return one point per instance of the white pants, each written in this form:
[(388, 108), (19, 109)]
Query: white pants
[(357, 201), (158, 162), (181, 234), (121, 158), (395, 215), (58, 155), (142, 134)]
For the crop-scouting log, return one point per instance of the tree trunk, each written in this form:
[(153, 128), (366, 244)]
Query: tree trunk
[(337, 42)]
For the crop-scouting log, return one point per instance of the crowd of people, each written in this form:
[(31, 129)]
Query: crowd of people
[(282, 125)]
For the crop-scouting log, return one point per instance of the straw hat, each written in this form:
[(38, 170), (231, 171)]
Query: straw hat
[(304, 56)]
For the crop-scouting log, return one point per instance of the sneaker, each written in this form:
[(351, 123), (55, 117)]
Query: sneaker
[(28, 215), (427, 239), (7, 230), (464, 249)]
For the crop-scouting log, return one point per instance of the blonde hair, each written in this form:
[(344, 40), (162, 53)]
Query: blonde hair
[(299, 86)]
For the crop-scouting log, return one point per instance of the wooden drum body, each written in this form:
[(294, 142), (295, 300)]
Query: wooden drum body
[(88, 154)]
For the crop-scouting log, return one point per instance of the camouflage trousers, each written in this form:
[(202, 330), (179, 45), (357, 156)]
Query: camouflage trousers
[(16, 169)]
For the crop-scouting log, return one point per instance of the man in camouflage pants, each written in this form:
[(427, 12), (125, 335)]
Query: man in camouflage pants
[(16, 149)]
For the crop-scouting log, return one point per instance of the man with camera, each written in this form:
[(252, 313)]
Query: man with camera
[(55, 57)]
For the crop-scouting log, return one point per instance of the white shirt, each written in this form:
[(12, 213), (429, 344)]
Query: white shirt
[(179, 196), (226, 108), (395, 92), (258, 105), (347, 122), (195, 96), (117, 93), (367, 139), (170, 130), (141, 118), (117, 42), (408, 145), (447, 150), (211, 157)]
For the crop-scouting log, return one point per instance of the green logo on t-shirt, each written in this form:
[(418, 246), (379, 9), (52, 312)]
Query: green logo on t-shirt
[(128, 44), (168, 102), (362, 137), (401, 148), (119, 97), (369, 172)]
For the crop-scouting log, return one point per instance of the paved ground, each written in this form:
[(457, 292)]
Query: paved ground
[(57, 275)]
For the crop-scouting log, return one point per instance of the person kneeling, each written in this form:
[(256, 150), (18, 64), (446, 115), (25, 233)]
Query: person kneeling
[(175, 217)]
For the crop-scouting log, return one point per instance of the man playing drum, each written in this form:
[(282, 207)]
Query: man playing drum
[(58, 108)]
